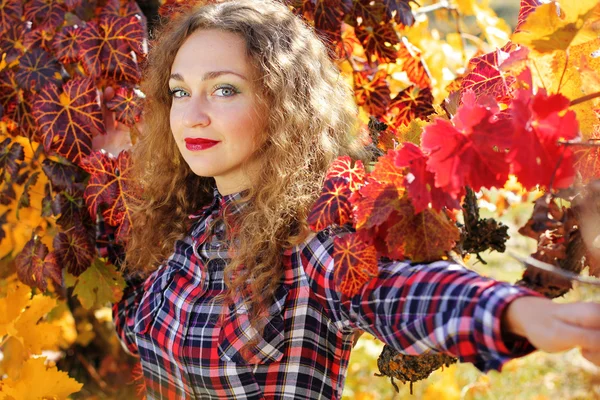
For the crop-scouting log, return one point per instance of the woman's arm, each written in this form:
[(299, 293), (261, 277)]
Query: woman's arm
[(440, 307)]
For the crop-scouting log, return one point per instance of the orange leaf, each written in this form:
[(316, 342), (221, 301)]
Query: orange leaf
[(426, 236), (333, 206), (355, 263)]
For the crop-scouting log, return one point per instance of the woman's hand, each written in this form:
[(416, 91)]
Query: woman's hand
[(553, 327), (117, 137)]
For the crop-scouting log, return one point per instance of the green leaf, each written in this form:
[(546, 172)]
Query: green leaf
[(101, 283)]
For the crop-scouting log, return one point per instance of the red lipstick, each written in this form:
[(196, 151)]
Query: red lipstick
[(197, 144)]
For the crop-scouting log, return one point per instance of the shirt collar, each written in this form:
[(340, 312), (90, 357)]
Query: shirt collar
[(219, 202)]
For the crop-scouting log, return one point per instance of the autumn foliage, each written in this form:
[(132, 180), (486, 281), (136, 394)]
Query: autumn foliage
[(451, 114)]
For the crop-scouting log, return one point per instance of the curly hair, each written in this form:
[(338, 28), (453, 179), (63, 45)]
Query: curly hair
[(312, 119)]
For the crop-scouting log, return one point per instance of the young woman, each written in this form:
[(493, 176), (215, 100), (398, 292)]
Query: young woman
[(243, 115)]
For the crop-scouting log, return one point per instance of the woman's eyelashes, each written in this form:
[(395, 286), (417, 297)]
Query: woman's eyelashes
[(218, 90)]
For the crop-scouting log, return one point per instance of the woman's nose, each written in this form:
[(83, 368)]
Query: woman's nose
[(196, 114)]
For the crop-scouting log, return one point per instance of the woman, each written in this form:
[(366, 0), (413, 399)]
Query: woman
[(244, 114)]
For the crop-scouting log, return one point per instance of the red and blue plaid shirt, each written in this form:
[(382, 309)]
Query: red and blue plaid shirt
[(171, 321)]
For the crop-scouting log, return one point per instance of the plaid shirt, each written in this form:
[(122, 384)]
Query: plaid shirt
[(172, 323)]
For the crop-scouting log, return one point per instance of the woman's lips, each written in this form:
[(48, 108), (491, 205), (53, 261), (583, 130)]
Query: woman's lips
[(199, 144)]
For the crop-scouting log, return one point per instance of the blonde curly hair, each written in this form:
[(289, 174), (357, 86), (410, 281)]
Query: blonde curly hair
[(312, 120)]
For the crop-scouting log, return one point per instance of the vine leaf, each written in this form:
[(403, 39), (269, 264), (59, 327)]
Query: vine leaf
[(420, 183), (540, 121), (68, 119), (106, 48), (66, 44), (342, 167), (355, 263), (110, 186), (409, 104), (413, 64), (125, 104), (376, 203), (35, 264), (36, 69), (426, 236), (74, 249), (11, 11), (10, 158), (470, 149), (485, 76), (552, 27), (98, 285), (526, 8), (374, 41), (333, 206), (39, 380), (64, 176), (372, 92)]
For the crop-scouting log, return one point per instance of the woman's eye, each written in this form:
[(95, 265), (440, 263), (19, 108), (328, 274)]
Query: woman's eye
[(225, 91), (178, 93)]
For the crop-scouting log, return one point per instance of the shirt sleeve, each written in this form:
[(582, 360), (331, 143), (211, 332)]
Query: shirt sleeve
[(123, 313), (416, 308)]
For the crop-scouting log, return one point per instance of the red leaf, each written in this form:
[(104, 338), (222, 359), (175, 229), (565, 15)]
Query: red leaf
[(66, 44), (485, 76), (426, 236), (36, 69), (409, 104), (106, 48), (355, 263), (333, 206), (9, 159), (328, 16), (375, 204), (11, 40), (11, 11), (413, 64), (588, 159), (39, 38), (66, 120), (64, 176), (385, 171), (126, 105), (35, 265), (527, 6), (400, 11), (540, 121), (470, 150), (372, 92), (49, 13), (22, 115), (110, 185), (342, 167), (121, 8), (8, 91), (74, 249), (419, 181), (374, 41)]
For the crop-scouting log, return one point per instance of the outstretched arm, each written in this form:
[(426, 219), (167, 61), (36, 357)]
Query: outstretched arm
[(440, 307)]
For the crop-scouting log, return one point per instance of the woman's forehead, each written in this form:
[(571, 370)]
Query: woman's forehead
[(211, 50)]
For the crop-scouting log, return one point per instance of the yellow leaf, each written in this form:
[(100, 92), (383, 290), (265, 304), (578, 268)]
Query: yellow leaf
[(37, 336), (412, 132), (12, 305), (555, 26), (40, 381), (13, 358)]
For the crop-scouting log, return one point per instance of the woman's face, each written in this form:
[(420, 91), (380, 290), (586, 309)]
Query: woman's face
[(215, 117)]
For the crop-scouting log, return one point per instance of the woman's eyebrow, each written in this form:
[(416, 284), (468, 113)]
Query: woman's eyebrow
[(207, 76)]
